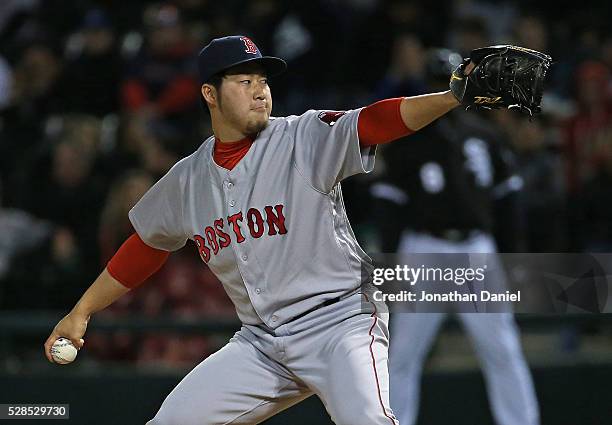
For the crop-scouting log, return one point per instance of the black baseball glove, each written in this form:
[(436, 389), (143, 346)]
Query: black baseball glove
[(503, 77)]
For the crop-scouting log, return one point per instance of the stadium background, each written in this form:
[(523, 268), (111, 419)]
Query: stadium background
[(99, 98)]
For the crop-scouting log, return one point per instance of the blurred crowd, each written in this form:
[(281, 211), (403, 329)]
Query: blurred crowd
[(98, 99)]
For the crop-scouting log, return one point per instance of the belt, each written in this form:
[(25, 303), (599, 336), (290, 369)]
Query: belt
[(316, 307), (326, 303)]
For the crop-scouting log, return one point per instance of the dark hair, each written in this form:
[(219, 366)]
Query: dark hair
[(215, 81)]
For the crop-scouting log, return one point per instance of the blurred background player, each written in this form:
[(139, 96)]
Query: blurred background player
[(452, 182)]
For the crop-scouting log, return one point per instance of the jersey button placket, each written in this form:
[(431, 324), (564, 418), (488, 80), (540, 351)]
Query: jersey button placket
[(229, 185)]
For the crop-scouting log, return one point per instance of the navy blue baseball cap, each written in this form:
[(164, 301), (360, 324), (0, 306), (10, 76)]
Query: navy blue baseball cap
[(226, 52)]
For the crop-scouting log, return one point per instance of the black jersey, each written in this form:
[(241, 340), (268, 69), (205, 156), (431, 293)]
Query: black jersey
[(451, 172)]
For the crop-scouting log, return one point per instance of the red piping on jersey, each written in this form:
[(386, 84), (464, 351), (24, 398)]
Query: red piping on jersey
[(382, 405), (227, 155), (381, 122), (135, 261)]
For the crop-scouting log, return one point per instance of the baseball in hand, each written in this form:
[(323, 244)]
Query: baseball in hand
[(63, 351)]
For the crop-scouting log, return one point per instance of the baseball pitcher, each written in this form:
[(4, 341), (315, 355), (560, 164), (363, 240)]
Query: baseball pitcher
[(262, 201)]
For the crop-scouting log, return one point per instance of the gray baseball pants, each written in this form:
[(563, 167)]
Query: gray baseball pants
[(338, 352)]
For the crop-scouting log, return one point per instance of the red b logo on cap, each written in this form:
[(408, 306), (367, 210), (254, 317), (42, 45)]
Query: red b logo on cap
[(250, 46)]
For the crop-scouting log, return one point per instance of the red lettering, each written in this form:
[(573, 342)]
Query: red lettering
[(211, 237), (254, 219), (203, 250), (215, 239), (250, 46), (277, 220), (224, 238), (233, 219)]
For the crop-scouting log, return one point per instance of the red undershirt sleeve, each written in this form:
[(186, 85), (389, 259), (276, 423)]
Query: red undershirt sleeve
[(381, 122), (134, 262)]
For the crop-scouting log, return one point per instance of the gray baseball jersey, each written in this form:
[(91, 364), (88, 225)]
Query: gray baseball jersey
[(275, 232), (273, 229)]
